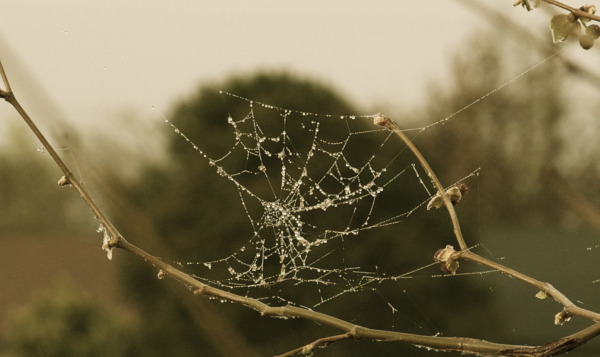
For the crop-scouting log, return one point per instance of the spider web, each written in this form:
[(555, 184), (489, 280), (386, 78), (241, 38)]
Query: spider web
[(308, 183), (312, 190)]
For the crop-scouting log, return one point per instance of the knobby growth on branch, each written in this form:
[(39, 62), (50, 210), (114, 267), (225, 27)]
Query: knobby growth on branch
[(449, 258)]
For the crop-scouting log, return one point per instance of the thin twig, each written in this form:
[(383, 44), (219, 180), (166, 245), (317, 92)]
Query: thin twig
[(577, 12), (523, 33), (309, 348), (559, 346), (464, 345), (384, 121), (6, 82), (69, 177), (570, 309)]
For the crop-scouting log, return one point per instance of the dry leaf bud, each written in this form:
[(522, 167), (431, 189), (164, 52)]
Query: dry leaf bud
[(455, 193), (381, 120), (562, 317), (444, 257), (64, 181)]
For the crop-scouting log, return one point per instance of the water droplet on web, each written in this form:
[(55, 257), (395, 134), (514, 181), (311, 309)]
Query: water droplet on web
[(41, 150), (208, 265)]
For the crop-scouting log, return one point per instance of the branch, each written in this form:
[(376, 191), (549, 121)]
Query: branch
[(570, 308), (384, 121), (560, 346), (68, 178), (575, 11), (309, 348), (508, 24), (461, 344)]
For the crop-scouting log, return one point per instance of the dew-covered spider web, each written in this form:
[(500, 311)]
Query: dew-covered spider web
[(313, 187), (329, 203)]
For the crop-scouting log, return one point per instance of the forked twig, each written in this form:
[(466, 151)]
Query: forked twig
[(465, 345), (325, 341), (569, 308)]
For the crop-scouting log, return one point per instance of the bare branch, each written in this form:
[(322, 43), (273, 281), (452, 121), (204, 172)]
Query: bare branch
[(560, 346), (384, 121), (325, 341), (575, 11), (461, 344), (6, 82), (570, 309), (523, 33)]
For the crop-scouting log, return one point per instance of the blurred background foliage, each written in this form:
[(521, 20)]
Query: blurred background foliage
[(181, 210), (66, 322)]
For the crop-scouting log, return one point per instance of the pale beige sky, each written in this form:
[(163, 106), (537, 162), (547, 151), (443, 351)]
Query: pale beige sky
[(96, 59)]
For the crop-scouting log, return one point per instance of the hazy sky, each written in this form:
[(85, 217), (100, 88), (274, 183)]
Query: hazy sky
[(96, 60)]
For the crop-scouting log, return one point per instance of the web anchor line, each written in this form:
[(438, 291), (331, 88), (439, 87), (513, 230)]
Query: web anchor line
[(309, 174)]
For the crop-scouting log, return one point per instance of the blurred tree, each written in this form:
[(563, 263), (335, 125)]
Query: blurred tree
[(66, 323), (188, 212), (28, 201), (514, 135)]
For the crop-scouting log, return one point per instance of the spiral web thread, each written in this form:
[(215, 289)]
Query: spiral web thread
[(286, 245)]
